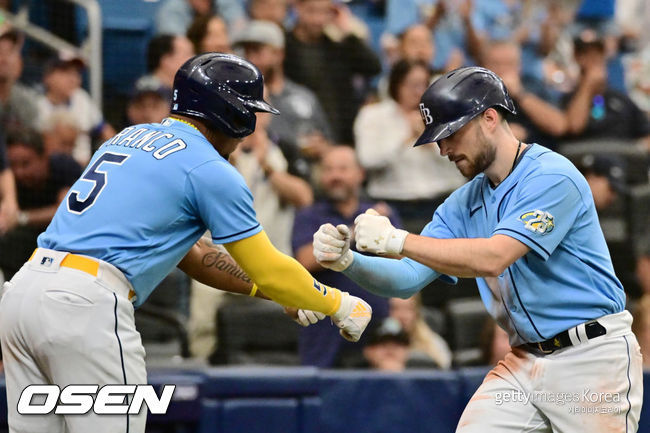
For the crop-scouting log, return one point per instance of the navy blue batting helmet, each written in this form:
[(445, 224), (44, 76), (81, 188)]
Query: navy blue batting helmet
[(457, 97), (223, 90)]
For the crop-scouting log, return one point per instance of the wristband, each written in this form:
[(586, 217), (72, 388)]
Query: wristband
[(395, 243), (253, 290)]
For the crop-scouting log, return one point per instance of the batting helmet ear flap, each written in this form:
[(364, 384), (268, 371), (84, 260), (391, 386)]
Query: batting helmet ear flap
[(457, 97), (223, 90)]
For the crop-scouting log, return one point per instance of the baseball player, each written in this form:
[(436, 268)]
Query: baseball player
[(525, 227), (138, 210)]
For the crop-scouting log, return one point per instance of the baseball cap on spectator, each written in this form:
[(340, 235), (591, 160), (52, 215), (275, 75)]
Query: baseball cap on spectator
[(388, 329), (610, 166), (585, 37), (64, 60), (259, 32)]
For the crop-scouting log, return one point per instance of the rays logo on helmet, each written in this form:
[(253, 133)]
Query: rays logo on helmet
[(538, 221), (426, 115)]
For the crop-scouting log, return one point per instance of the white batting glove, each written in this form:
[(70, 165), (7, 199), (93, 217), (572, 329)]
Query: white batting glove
[(375, 234), (308, 317), (332, 247), (352, 316)]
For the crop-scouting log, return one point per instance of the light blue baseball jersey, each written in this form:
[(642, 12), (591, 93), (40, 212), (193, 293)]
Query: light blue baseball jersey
[(567, 278), (146, 197)]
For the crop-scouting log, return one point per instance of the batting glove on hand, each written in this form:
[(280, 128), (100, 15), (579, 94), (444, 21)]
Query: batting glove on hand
[(303, 317), (352, 317), (332, 247), (375, 234)]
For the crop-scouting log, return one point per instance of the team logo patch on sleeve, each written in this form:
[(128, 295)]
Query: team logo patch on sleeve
[(538, 221)]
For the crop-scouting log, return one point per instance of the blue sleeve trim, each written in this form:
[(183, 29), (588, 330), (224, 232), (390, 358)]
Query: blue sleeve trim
[(221, 238), (520, 236)]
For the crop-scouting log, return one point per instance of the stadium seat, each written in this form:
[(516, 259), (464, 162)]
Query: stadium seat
[(465, 320), (252, 331)]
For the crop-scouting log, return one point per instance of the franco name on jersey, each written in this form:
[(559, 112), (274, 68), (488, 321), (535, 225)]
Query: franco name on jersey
[(143, 138)]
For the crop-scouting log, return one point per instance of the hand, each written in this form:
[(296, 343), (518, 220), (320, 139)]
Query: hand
[(513, 84), (332, 247), (375, 234), (303, 317), (352, 317), (465, 9)]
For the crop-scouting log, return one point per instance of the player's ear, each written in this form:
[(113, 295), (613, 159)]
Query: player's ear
[(491, 118)]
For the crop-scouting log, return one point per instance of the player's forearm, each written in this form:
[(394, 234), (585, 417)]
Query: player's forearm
[(459, 257), (211, 265), (281, 277), (387, 277)]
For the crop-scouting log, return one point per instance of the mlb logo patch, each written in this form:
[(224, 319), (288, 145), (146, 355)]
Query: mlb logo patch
[(47, 261)]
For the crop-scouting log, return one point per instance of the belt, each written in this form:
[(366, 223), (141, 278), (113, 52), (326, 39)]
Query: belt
[(84, 264), (562, 340)]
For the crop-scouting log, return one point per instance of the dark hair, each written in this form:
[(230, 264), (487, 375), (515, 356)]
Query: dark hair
[(197, 31), (25, 137), (398, 74), (158, 47)]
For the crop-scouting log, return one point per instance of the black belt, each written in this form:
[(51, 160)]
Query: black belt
[(562, 340)]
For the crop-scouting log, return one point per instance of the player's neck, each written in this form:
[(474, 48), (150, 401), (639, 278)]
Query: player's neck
[(508, 151)]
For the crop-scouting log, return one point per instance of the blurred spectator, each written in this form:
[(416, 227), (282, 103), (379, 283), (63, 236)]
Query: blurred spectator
[(63, 91), (537, 121), (42, 182), (455, 24), (269, 10), (413, 182), (595, 110), (147, 106), (641, 327), (301, 130), (60, 132), (633, 17), (341, 177), (495, 343), (416, 43), (165, 54), (209, 33), (425, 346), (606, 176), (175, 16), (337, 71), (277, 193), (8, 201), (17, 103), (387, 345)]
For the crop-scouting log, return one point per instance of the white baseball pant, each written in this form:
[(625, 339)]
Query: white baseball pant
[(67, 319), (592, 386)]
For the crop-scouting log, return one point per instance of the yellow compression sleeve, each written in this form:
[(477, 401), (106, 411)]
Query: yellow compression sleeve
[(281, 277)]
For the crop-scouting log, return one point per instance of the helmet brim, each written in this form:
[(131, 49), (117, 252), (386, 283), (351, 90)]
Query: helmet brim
[(259, 105), (441, 131)]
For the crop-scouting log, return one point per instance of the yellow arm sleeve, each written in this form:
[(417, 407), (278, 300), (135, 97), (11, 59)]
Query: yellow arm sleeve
[(281, 277)]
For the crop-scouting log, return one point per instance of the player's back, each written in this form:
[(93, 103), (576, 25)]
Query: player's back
[(132, 206)]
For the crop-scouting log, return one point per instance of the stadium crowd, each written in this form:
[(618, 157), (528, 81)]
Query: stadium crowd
[(578, 72)]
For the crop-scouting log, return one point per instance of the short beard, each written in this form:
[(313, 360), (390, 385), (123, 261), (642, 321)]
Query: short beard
[(484, 159)]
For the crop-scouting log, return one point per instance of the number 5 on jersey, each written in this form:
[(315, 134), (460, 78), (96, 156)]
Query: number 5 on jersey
[(99, 180)]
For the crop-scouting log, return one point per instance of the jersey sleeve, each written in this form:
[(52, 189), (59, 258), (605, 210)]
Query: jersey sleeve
[(223, 201), (542, 213), (440, 227)]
